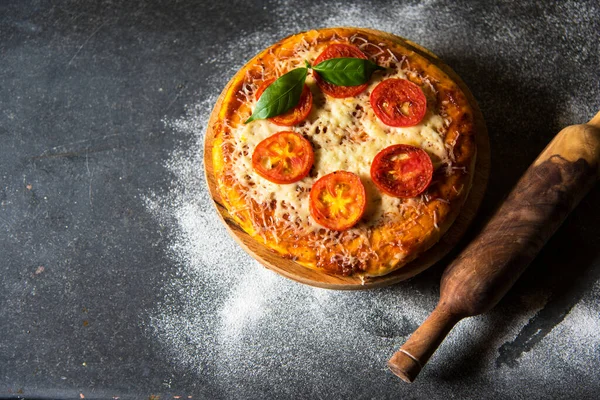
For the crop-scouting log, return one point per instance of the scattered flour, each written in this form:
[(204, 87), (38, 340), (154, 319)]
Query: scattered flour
[(248, 330)]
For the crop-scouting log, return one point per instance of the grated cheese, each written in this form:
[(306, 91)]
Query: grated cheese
[(346, 135)]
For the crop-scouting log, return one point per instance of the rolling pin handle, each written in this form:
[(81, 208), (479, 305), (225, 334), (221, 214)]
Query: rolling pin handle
[(414, 354)]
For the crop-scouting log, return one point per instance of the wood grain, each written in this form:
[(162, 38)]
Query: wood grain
[(297, 272), (474, 283)]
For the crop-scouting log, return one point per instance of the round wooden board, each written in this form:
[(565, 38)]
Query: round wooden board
[(297, 272)]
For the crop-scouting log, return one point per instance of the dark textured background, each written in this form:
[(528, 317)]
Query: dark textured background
[(85, 90)]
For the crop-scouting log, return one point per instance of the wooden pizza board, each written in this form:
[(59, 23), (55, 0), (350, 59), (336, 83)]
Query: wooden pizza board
[(297, 272)]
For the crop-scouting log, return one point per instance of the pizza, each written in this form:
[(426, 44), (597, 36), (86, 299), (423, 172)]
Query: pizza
[(347, 179)]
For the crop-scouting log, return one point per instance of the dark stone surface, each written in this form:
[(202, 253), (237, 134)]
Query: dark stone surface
[(85, 88)]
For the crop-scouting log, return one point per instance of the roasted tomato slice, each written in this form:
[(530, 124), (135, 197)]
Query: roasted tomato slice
[(339, 51), (337, 200), (398, 102), (285, 157), (294, 115), (402, 170)]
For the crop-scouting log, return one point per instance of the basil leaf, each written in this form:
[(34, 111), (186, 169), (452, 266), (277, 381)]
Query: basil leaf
[(346, 71), (280, 95)]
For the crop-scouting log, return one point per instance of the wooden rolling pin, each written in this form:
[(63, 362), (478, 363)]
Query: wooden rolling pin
[(550, 188)]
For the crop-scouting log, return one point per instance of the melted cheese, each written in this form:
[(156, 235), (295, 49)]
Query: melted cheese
[(346, 135)]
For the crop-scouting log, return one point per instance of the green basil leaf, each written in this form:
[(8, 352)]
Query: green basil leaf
[(346, 71), (280, 95)]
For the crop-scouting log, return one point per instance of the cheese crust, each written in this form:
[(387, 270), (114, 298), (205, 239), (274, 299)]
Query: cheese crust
[(346, 135)]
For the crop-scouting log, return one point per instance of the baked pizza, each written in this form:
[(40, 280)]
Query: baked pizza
[(343, 150)]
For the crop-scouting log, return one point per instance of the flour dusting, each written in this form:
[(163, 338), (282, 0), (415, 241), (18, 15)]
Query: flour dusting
[(230, 320)]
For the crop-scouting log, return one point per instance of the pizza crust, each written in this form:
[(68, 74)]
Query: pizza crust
[(376, 250)]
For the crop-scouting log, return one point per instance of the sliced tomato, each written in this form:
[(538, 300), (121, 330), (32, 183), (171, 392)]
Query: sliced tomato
[(337, 200), (285, 157), (402, 170), (398, 102), (294, 115), (339, 51)]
